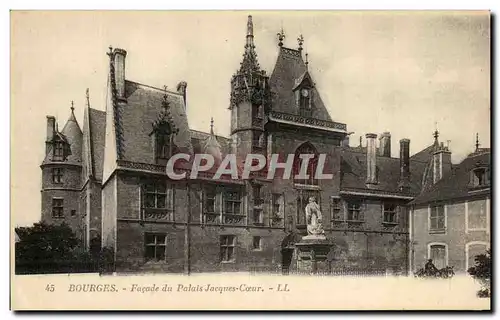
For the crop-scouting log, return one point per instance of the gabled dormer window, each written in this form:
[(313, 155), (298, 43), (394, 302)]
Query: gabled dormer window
[(305, 102), (58, 151), (479, 177), (163, 143)]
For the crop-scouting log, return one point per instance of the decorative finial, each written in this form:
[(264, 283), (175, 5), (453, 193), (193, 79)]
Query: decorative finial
[(72, 106), (300, 40), (281, 37), (110, 51), (212, 126), (250, 26), (360, 141), (436, 134), (307, 60), (87, 96), (477, 141)]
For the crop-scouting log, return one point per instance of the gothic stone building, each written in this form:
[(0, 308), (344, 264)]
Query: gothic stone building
[(110, 181)]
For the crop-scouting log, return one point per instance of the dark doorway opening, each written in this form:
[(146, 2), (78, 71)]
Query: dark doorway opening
[(286, 260)]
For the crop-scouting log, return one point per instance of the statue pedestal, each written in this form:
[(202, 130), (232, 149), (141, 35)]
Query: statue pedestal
[(312, 252)]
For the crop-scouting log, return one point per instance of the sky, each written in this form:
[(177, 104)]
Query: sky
[(402, 72)]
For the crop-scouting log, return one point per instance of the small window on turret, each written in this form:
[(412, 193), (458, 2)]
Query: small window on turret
[(57, 175), (58, 151)]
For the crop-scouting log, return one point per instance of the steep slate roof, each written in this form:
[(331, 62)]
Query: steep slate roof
[(456, 184), (198, 139), (353, 173), (97, 132), (135, 121), (289, 70), (425, 154)]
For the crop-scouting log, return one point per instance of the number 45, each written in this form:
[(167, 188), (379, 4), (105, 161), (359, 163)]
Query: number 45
[(50, 288)]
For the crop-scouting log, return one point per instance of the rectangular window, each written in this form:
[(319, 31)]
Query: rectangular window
[(163, 146), (390, 213), (232, 202), (257, 243), (73, 213), (437, 218), (257, 196), (438, 255), (354, 212), (477, 215), (57, 175), (258, 217), (59, 151), (57, 207), (158, 201), (336, 211), (156, 247), (210, 196), (156, 195), (278, 206), (227, 245)]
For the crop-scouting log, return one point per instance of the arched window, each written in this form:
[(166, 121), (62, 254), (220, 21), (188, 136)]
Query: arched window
[(312, 158)]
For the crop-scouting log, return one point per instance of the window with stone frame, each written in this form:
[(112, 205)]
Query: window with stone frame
[(390, 213), (258, 214), (355, 211), (437, 219), (232, 205), (57, 207), (155, 247), (158, 200), (58, 153), (163, 148), (227, 248), (209, 199), (336, 209), (57, 175), (258, 141)]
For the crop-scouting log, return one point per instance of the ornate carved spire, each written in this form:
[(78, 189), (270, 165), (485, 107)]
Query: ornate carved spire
[(212, 126), (307, 60), (477, 141), (249, 63), (300, 40), (281, 37), (72, 106), (165, 121)]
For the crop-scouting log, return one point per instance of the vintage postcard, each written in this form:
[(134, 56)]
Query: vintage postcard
[(265, 160)]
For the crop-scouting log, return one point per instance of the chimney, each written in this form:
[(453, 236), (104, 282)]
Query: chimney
[(385, 144), (51, 129), (181, 88), (371, 158), (119, 63), (404, 164), (442, 162)]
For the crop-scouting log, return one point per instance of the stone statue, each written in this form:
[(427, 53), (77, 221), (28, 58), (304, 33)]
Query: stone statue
[(314, 218)]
